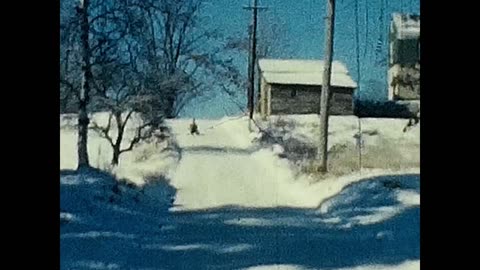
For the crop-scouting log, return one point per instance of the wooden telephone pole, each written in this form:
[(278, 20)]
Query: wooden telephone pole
[(325, 96), (252, 56), (357, 46)]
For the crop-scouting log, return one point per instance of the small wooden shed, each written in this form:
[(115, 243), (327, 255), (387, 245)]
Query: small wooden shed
[(294, 87)]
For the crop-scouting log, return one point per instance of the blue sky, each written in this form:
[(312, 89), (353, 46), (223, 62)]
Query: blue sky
[(303, 25)]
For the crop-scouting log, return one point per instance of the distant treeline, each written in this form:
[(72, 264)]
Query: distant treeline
[(386, 109)]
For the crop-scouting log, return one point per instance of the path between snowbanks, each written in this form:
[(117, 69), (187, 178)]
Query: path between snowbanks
[(222, 167)]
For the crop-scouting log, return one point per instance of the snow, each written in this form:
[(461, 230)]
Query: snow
[(276, 267), (66, 217), (388, 197), (214, 248), (303, 72), (408, 265), (385, 145), (145, 235), (97, 265), (94, 234), (407, 27), (132, 165), (342, 128), (225, 158), (228, 203), (277, 149), (298, 66), (411, 198)]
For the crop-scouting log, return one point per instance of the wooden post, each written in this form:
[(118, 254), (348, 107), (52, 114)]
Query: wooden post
[(325, 95), (253, 53), (357, 41)]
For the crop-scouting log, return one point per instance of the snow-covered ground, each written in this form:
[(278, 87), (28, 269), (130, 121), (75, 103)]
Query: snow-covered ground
[(408, 265), (369, 225), (148, 160), (385, 144), (342, 128), (228, 202), (224, 166)]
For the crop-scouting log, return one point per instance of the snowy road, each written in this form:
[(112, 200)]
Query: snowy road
[(371, 225), (239, 208), (222, 167)]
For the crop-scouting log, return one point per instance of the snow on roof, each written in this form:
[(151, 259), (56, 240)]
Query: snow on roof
[(303, 72), (407, 26)]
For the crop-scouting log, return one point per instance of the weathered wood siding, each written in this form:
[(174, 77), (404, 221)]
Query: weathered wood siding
[(300, 99), (264, 89)]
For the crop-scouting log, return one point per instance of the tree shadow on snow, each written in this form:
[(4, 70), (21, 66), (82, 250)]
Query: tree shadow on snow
[(234, 237)]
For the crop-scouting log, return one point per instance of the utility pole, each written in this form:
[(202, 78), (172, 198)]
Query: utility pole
[(357, 41), (83, 119), (325, 96), (252, 56)]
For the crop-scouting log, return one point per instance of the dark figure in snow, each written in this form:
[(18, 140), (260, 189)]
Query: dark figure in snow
[(194, 128), (412, 122)]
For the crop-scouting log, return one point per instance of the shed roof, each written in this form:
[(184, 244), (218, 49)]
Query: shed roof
[(407, 26), (303, 72)]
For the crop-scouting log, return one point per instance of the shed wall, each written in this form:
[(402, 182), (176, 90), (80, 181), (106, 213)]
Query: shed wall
[(301, 99)]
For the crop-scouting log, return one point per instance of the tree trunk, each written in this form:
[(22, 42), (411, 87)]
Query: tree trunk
[(83, 119), (325, 95), (116, 155), (118, 141), (170, 110)]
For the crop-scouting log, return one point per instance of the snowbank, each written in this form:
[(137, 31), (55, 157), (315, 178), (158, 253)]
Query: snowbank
[(96, 208), (384, 143), (372, 201), (408, 265)]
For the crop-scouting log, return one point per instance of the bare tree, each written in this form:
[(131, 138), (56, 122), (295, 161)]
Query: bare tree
[(70, 57), (126, 83), (84, 97), (179, 46), (130, 92), (163, 67), (146, 58), (79, 40)]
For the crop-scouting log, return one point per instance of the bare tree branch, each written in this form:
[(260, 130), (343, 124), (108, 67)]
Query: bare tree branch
[(104, 132), (138, 137)]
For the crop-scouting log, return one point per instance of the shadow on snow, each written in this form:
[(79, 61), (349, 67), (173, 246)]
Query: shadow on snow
[(235, 237)]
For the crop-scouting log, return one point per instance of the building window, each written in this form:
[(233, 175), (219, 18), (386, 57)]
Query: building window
[(293, 93)]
